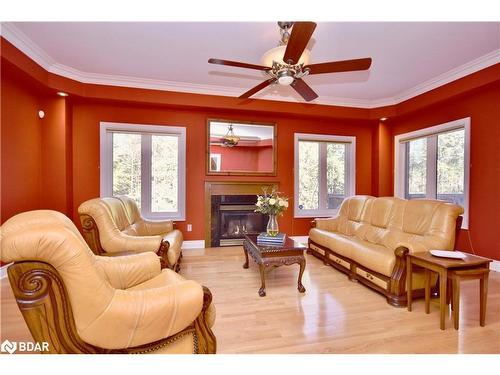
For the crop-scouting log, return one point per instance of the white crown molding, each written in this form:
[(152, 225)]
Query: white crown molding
[(473, 66), (33, 51), (26, 45)]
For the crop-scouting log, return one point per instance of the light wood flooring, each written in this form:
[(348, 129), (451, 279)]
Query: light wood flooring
[(335, 315)]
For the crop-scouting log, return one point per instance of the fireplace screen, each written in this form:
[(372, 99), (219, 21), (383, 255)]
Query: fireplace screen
[(233, 217)]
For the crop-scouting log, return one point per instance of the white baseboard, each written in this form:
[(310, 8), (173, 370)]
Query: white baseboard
[(193, 244), (302, 239), (3, 271), (495, 266)]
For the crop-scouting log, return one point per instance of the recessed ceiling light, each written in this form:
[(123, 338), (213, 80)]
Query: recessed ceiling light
[(41, 114), (383, 118), (60, 93)]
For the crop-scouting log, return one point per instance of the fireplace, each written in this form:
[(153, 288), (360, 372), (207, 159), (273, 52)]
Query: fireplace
[(238, 201), (233, 216)]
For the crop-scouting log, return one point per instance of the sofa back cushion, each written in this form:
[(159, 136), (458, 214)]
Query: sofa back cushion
[(389, 221), (351, 214), (117, 212), (377, 219), (136, 224)]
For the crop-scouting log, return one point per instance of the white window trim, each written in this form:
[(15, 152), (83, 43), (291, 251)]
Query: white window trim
[(400, 155), (351, 169), (106, 166)]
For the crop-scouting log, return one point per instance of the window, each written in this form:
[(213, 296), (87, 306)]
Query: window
[(324, 173), (433, 163), (146, 163)]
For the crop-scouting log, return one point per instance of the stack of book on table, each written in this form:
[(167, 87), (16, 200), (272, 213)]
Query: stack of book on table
[(268, 240)]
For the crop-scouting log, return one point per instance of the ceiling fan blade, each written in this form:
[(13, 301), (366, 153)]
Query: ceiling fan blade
[(304, 90), (257, 88), (301, 33), (238, 64), (340, 66)]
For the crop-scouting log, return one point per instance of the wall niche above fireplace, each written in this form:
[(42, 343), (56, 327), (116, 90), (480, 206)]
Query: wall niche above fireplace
[(237, 200)]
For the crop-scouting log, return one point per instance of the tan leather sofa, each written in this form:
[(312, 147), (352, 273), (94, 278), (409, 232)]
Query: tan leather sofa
[(114, 225), (82, 303), (370, 238)]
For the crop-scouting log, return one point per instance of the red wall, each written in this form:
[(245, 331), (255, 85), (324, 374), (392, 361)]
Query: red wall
[(265, 159), (483, 107), (21, 151), (87, 115), (54, 163), (245, 158), (34, 151)]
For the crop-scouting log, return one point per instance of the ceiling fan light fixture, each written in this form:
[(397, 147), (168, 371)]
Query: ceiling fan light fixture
[(285, 78), (277, 53)]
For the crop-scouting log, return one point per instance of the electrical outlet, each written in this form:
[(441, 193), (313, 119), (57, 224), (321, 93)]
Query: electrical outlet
[(189, 227)]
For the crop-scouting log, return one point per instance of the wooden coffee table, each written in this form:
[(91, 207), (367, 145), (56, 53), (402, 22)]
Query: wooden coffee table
[(450, 272), (290, 252)]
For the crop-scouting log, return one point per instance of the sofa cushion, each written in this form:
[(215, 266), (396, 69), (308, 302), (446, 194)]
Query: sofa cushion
[(117, 211), (338, 243), (351, 214), (377, 219), (375, 257), (166, 277)]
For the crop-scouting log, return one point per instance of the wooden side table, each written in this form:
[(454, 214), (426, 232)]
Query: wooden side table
[(455, 270)]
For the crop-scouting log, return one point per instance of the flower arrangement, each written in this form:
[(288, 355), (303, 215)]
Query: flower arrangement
[(271, 204)]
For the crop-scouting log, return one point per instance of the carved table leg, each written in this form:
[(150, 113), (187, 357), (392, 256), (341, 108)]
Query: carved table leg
[(246, 258), (262, 290), (300, 287)]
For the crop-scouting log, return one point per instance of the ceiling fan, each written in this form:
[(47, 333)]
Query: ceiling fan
[(287, 64)]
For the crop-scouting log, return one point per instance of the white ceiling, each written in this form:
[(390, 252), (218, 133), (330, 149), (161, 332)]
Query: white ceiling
[(408, 58)]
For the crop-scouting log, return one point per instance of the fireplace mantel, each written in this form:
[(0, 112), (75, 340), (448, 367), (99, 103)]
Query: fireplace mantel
[(230, 188)]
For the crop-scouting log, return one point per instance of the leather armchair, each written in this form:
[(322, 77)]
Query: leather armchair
[(113, 226), (82, 303)]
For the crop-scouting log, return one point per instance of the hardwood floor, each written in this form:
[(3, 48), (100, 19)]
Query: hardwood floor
[(335, 315)]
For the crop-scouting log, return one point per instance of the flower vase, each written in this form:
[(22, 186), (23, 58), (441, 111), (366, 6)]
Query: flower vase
[(272, 226)]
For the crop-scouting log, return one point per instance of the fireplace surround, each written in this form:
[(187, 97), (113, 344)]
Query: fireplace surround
[(215, 190), (233, 216)]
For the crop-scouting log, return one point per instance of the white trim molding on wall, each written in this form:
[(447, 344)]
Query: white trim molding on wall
[(22, 42), (302, 239), (193, 244), (400, 157)]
